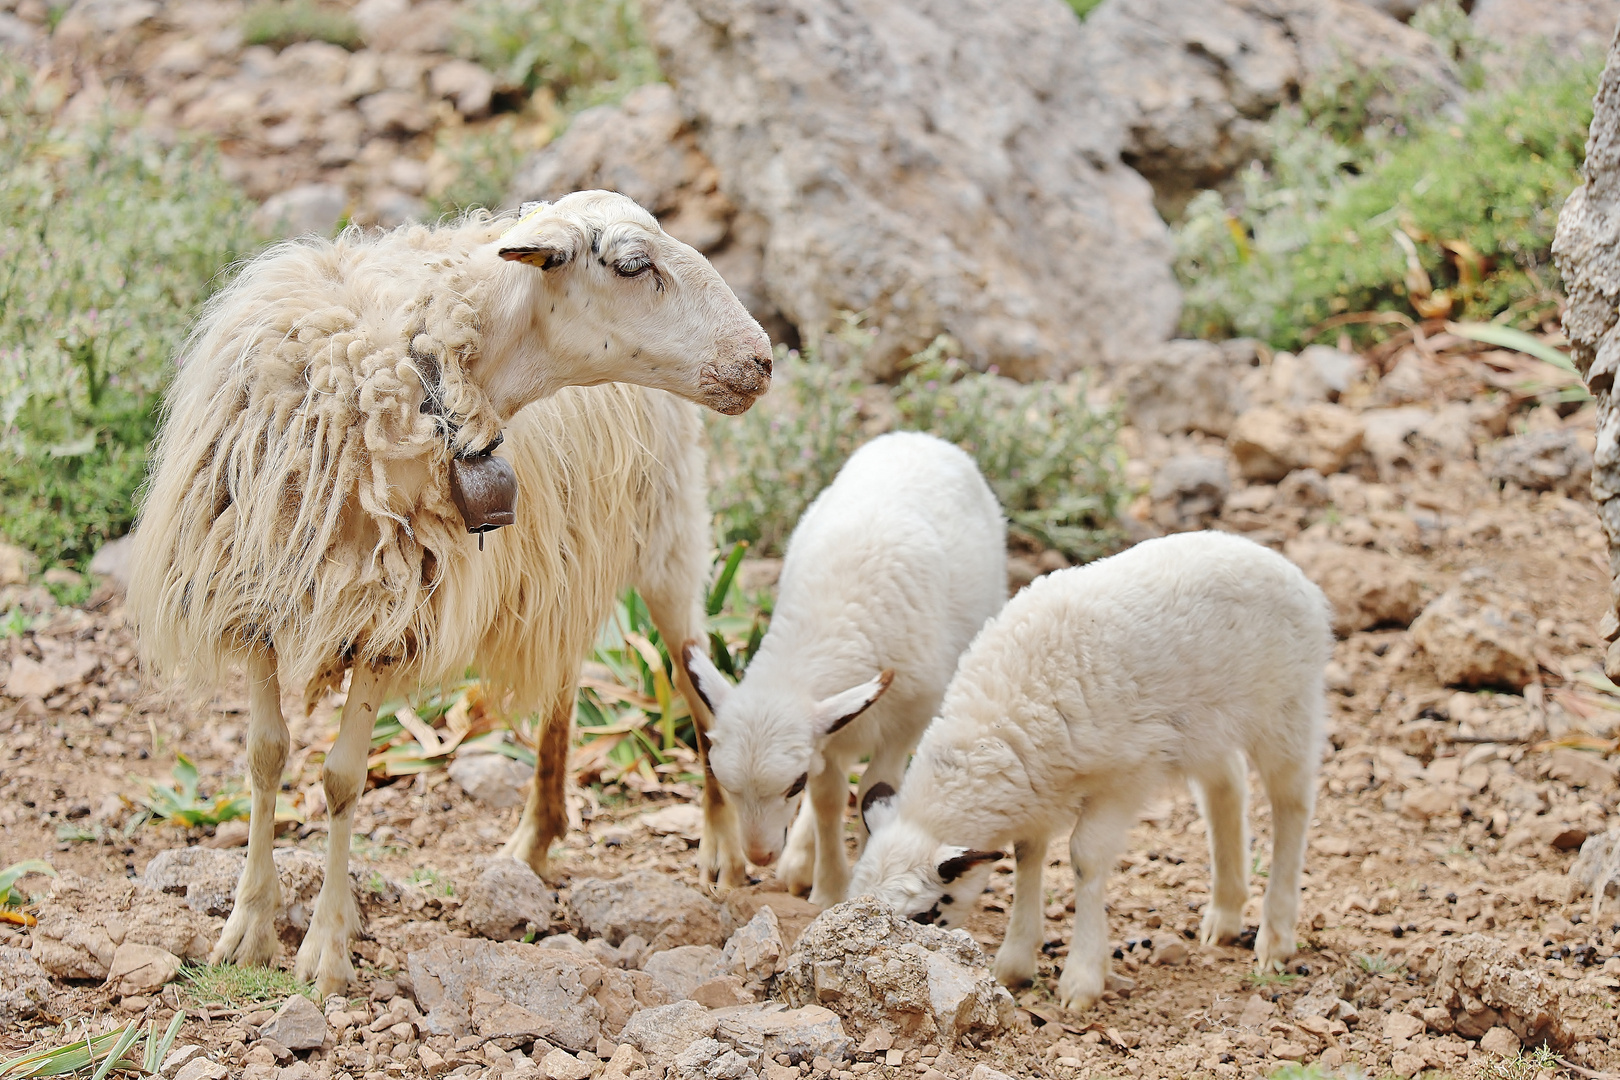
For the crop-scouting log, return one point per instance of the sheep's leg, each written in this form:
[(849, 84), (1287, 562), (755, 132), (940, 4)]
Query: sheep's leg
[(545, 811), (323, 958), (1223, 792), (829, 796), (1015, 960), (797, 868), (1291, 789), (1097, 841), (250, 933), (888, 766)]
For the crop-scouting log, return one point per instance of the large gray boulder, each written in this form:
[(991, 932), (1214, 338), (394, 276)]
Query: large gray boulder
[(938, 165), (1522, 29), (1193, 81), (1587, 250)]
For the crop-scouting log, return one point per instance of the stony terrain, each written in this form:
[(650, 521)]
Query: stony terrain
[(1435, 490)]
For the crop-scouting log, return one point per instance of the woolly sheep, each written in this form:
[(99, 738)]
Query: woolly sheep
[(1183, 655), (888, 576), (300, 519)]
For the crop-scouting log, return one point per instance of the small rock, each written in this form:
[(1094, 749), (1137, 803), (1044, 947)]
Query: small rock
[(228, 834), (1427, 801), (722, 993), (678, 819), (141, 969), (15, 565), (624, 1060), (1184, 385), (665, 1031), (1285, 1050), (471, 87), (682, 969), (391, 208), (507, 901), (112, 561), (1484, 982), (493, 779), (1500, 1041), (756, 951), (433, 1063), (1366, 588), (1170, 954), (508, 990), (561, 1065), (395, 112), (25, 988), (768, 1031), (1188, 492), (793, 913), (309, 209), (202, 1069), (1406, 1064), (1580, 770), (1402, 1026), (664, 912), (297, 1025), (1477, 639), (1541, 461), (1270, 442), (180, 1057), (1597, 860)]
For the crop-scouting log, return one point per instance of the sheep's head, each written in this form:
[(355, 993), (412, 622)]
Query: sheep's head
[(596, 292), (905, 868), (765, 745)]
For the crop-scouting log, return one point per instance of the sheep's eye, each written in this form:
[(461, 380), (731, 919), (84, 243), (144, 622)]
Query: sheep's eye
[(798, 786), (634, 266)]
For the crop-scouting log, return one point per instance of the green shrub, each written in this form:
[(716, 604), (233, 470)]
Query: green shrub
[(479, 162), (1083, 8), (1454, 218), (279, 23), (586, 51), (1049, 456), (109, 241)]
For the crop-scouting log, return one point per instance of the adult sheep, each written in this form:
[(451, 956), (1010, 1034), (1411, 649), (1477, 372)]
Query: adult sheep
[(302, 521)]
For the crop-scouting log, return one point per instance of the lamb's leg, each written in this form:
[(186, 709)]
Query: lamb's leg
[(1223, 792), (829, 797), (797, 868), (1098, 838), (1015, 960), (250, 933), (545, 811), (888, 766), (1291, 789), (323, 958)]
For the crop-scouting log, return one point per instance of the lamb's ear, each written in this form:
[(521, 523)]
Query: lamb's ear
[(878, 807), (963, 860), (833, 713), (541, 239), (710, 685)]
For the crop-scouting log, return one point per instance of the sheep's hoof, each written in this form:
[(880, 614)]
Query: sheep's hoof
[(1080, 986), (323, 959), (249, 938), (1220, 927), (1014, 969), (1272, 949)]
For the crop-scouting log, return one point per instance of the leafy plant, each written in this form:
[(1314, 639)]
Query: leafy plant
[(115, 1049), (12, 898), (1270, 978), (235, 986), (431, 881), (1526, 1066), (474, 165), (109, 242), (16, 623), (185, 805), (1083, 8), (585, 51), (1377, 965), (1452, 219), (279, 23)]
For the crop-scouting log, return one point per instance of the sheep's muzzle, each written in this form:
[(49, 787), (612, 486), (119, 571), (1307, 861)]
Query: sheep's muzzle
[(731, 387)]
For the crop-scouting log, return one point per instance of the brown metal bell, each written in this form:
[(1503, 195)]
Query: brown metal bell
[(485, 491)]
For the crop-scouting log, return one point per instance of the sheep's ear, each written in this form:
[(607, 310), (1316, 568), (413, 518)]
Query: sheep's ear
[(710, 685), (831, 714), (545, 256), (542, 239), (878, 807), (955, 865)]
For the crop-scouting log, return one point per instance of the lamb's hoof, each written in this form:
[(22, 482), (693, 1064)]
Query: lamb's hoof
[(1272, 949), (721, 872), (825, 897), (797, 875), (249, 939), (1080, 987), (1014, 970), (323, 959), (1220, 927), (524, 849)]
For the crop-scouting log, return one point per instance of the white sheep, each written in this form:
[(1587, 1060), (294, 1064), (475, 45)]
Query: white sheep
[(1181, 656), (301, 519), (886, 579)]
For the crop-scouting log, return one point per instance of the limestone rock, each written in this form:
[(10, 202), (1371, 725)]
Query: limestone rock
[(914, 160), (1483, 982), (723, 992), (1188, 492), (507, 901), (297, 1025), (508, 989), (112, 561), (1477, 639), (874, 968), (761, 1032), (755, 953), (309, 209), (1527, 29), (1541, 461), (793, 913), (1598, 862), (561, 1065), (471, 87), (1366, 588), (663, 912), (25, 989), (663, 1032), (1193, 80), (682, 969), (1185, 385), (1269, 442), (624, 993), (708, 1059), (141, 969), (493, 779)]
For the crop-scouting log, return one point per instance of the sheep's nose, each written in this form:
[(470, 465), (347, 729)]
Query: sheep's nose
[(762, 858), (764, 364)]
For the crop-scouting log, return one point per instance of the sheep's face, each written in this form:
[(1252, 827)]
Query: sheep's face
[(913, 873), (597, 293), (765, 746)]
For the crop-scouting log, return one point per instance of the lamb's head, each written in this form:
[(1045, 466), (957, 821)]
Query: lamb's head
[(594, 291), (907, 868), (765, 744)]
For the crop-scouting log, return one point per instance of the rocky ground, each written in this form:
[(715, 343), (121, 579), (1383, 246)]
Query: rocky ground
[(1436, 490)]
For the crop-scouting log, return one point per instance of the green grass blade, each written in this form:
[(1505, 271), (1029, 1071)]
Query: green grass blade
[(722, 584), (131, 1030), (1507, 337), (155, 1061)]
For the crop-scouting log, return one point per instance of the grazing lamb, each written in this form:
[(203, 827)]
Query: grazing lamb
[(888, 576), (1093, 687), (303, 516)]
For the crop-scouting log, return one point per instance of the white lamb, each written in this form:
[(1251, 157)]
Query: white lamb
[(302, 519), (1094, 687), (887, 577)]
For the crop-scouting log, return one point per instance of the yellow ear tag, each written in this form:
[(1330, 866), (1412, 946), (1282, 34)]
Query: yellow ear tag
[(519, 225)]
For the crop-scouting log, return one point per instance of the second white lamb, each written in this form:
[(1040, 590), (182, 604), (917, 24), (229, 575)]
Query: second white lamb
[(1094, 686), (886, 579)]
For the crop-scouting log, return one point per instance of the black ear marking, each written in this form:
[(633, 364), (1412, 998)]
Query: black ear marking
[(885, 677), (955, 867), (874, 794), (691, 676)]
